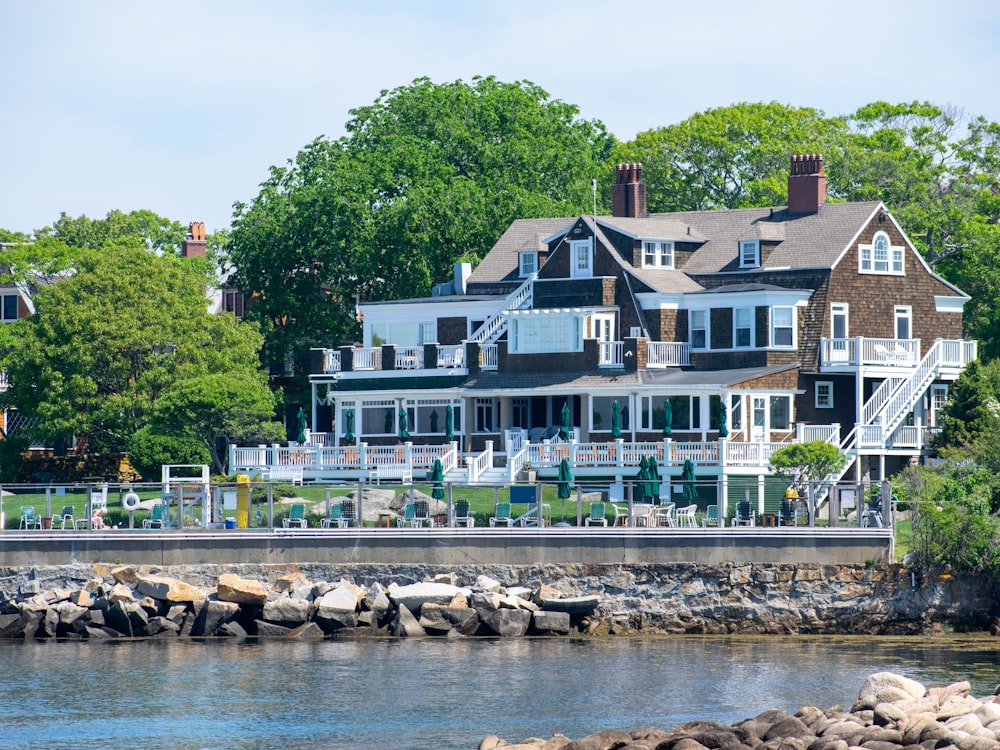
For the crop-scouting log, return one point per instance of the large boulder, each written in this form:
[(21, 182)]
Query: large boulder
[(232, 588), (886, 687), (415, 595), (168, 589), (508, 623), (288, 611), (337, 609)]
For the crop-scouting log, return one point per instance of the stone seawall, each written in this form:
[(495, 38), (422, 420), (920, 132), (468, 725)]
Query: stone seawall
[(674, 598)]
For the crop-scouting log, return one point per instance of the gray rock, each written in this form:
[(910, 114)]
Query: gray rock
[(433, 620), (414, 596), (213, 614), (232, 629), (887, 687), (546, 623), (307, 630), (508, 623), (270, 630), (290, 612), (405, 624)]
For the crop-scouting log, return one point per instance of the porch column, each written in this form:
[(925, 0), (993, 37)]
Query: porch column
[(723, 498), (760, 495), (501, 421), (312, 422)]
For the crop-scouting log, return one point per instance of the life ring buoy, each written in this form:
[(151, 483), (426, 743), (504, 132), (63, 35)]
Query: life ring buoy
[(130, 501)]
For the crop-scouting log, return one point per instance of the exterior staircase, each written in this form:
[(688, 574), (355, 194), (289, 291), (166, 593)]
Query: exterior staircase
[(495, 326), (891, 402), (491, 476)]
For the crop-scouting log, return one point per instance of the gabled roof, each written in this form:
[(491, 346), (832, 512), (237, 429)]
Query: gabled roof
[(501, 263)]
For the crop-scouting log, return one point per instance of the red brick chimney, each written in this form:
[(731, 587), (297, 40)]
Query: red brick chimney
[(628, 194), (806, 184), (194, 245)]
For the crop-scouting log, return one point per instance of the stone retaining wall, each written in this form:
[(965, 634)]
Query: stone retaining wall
[(677, 598)]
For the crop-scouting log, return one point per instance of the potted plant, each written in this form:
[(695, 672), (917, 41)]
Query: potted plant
[(527, 472)]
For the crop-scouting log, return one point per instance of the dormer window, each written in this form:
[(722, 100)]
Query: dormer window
[(749, 253), (656, 254), (881, 256), (528, 263), (9, 308)]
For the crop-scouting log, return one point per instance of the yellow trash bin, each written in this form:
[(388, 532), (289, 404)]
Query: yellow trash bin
[(242, 501)]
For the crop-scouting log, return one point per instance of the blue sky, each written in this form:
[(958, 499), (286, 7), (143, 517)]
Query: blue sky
[(181, 107)]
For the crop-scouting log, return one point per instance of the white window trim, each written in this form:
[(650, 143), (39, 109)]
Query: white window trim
[(754, 246), (662, 251), (836, 309), (707, 329), (828, 402), (794, 326), (906, 312), (16, 307), (736, 327), (895, 257), (575, 271), (521, 257)]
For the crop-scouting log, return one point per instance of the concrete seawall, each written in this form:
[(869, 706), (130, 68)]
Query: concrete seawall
[(450, 547)]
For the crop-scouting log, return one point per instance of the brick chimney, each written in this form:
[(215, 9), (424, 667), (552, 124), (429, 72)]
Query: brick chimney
[(628, 194), (194, 245), (806, 184)]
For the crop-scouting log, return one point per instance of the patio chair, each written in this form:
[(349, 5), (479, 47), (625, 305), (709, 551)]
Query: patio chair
[(621, 514), (407, 518), (745, 514), (463, 514), (596, 517), (665, 515), (422, 513), (155, 520), (350, 513), (68, 516), (786, 516), (296, 517), (711, 516), (335, 518), (686, 516), (501, 515), (29, 519)]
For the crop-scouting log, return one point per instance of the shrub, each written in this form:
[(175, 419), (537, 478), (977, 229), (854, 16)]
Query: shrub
[(148, 452)]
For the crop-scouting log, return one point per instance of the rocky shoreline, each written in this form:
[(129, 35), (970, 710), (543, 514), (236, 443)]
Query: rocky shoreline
[(102, 600), (892, 713)]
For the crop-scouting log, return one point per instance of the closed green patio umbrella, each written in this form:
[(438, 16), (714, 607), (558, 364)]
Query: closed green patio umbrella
[(403, 434), (616, 420), (641, 486), (302, 422), (654, 478), (437, 477), (690, 491), (565, 477), (668, 418), (449, 423), (564, 428), (721, 414), (349, 426)]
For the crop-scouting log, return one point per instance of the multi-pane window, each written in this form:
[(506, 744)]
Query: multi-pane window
[(9, 307), (698, 328), (783, 327), (582, 255), (904, 316), (749, 253), (529, 263), (232, 301), (881, 256), (657, 254), (545, 333), (485, 408), (743, 327), (736, 412), (781, 412), (824, 394), (519, 413)]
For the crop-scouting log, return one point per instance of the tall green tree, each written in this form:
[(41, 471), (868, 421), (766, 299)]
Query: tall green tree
[(729, 157), (801, 463), (107, 341), (156, 232), (427, 175)]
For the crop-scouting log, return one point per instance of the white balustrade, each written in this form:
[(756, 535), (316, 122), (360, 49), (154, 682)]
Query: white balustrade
[(367, 359), (409, 357), (488, 357), (668, 354), (450, 355), (331, 360), (611, 354)]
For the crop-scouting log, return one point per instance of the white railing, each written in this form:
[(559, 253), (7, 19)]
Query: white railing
[(451, 355), (828, 433), (495, 325), (867, 351), (515, 461), (515, 439), (331, 360), (322, 439), (751, 454), (488, 357), (906, 436), (869, 435), (449, 458), (668, 354), (697, 453), (482, 462), (409, 358), (367, 359), (957, 352), (873, 406), (611, 354)]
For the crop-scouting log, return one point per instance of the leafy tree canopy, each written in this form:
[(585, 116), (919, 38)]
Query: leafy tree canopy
[(145, 227), (427, 175), (111, 338), (800, 463)]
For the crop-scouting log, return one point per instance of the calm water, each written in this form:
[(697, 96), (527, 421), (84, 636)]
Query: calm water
[(437, 694)]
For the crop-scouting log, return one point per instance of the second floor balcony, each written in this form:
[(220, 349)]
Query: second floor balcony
[(860, 351)]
